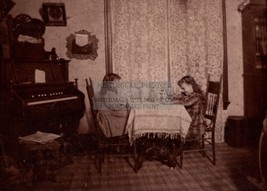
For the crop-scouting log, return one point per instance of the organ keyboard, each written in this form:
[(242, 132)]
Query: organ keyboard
[(46, 102), (52, 100)]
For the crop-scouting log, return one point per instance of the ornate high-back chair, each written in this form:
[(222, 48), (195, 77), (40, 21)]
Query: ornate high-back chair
[(207, 140), (112, 146)]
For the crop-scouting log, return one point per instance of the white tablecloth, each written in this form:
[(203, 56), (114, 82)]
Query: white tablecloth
[(159, 120)]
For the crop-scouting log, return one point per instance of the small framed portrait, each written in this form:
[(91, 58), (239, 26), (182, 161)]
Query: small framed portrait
[(54, 14)]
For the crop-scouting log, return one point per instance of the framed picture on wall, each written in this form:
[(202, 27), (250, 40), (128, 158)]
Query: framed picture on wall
[(54, 14)]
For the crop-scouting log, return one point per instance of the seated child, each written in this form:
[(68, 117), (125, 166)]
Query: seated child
[(112, 116), (194, 101)]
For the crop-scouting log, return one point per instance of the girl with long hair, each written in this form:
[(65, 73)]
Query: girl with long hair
[(194, 101)]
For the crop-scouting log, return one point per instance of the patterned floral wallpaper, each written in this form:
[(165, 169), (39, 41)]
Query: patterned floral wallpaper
[(148, 36), (193, 33)]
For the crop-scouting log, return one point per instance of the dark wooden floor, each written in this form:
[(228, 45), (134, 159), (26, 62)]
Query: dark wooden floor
[(235, 169)]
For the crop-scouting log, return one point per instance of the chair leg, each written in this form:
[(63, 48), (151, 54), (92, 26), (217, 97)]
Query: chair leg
[(181, 154), (99, 160), (139, 155), (213, 152), (213, 148), (135, 157), (100, 165), (204, 154)]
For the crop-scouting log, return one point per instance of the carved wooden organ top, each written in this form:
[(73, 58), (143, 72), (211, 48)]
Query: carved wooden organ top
[(44, 98)]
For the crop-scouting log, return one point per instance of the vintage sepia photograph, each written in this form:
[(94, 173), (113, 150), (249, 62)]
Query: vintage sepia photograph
[(135, 95)]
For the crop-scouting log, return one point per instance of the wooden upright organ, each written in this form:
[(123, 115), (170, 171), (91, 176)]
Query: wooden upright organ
[(42, 97), (54, 107)]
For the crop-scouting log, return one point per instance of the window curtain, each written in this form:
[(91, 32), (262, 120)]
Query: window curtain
[(164, 40)]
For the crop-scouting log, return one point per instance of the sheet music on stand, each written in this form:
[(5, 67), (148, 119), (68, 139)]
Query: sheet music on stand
[(39, 137)]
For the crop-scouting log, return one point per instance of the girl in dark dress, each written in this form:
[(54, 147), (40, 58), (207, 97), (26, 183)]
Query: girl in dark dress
[(194, 101)]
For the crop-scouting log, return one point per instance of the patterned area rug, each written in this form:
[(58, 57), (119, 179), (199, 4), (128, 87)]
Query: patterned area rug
[(62, 182), (233, 167), (230, 173)]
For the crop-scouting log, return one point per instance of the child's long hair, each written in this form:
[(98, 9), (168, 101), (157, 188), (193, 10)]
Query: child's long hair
[(196, 87), (190, 80), (106, 84)]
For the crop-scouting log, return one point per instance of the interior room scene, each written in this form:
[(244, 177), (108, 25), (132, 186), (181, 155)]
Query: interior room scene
[(135, 95)]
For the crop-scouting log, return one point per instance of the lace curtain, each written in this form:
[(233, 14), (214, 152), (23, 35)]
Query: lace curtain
[(164, 40)]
